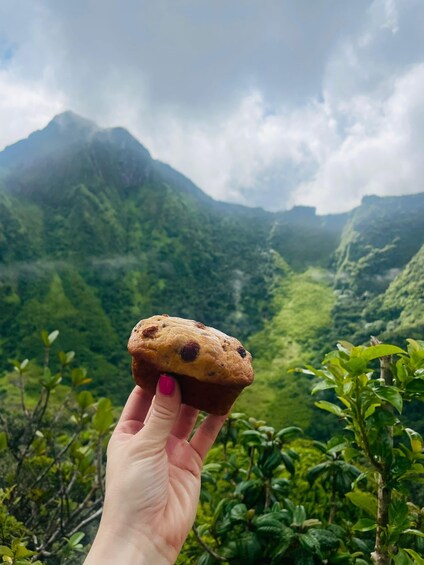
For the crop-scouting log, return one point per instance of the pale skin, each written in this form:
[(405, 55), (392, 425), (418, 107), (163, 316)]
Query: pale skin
[(152, 478)]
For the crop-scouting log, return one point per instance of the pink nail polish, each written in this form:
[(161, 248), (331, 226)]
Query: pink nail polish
[(166, 385)]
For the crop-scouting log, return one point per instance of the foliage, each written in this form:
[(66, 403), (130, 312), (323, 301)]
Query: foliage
[(379, 271), (52, 445), (359, 489), (267, 495), (371, 406)]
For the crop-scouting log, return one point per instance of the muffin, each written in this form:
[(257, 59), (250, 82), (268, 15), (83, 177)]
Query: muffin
[(211, 367)]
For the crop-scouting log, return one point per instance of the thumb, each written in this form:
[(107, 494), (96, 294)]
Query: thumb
[(164, 411)]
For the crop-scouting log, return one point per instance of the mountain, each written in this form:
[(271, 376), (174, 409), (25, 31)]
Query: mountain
[(379, 239), (401, 307), (96, 234)]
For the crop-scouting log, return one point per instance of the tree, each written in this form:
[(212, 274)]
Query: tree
[(52, 461), (371, 405)]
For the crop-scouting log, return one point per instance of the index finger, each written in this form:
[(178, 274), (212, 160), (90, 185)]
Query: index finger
[(206, 434), (135, 411)]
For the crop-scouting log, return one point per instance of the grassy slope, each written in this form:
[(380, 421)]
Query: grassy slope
[(302, 304)]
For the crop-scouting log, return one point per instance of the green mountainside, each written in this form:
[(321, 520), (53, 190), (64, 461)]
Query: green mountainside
[(95, 234), (402, 305), (378, 241)]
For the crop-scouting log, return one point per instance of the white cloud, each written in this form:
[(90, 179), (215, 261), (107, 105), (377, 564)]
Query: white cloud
[(25, 106), (234, 157), (381, 152)]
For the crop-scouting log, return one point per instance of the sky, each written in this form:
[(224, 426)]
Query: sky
[(270, 103)]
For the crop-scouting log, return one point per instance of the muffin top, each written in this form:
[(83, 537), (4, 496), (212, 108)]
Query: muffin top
[(186, 347)]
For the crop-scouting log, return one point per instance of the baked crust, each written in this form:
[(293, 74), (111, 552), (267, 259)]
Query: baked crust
[(212, 368)]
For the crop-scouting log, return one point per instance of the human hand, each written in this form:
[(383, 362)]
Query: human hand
[(152, 478)]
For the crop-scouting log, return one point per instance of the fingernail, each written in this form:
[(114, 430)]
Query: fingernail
[(166, 385)]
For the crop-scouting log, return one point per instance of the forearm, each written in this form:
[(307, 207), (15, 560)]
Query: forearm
[(111, 547)]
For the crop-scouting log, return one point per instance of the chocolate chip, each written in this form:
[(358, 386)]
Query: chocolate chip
[(190, 351), (150, 331), (200, 325), (165, 315), (241, 351)]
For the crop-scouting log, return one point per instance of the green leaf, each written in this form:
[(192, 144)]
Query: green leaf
[(50, 381), (330, 407), (322, 385), (53, 336), (49, 338), (85, 399), (356, 365), (413, 345), (345, 346), (248, 549), (70, 356), (371, 409), (381, 350), (299, 516), (251, 438), (418, 559), (288, 462), (66, 358), (206, 559), (391, 395), (398, 513), (76, 538), (402, 558), (3, 441), (310, 371), (280, 485), (22, 551), (271, 462), (416, 386), (351, 453), (79, 377), (103, 418), (415, 439), (364, 500), (414, 532), (45, 338), (316, 471), (365, 525), (4, 550), (288, 433), (309, 543)]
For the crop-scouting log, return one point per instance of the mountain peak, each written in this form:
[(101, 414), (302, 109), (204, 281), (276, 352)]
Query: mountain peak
[(63, 131), (66, 131), (69, 120)]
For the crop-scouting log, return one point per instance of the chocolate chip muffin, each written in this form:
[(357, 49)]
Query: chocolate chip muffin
[(211, 367)]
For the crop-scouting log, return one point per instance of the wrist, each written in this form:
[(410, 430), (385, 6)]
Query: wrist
[(129, 547)]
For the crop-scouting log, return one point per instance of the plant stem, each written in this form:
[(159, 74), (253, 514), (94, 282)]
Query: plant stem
[(207, 547), (381, 555), (332, 502), (381, 552), (251, 457)]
